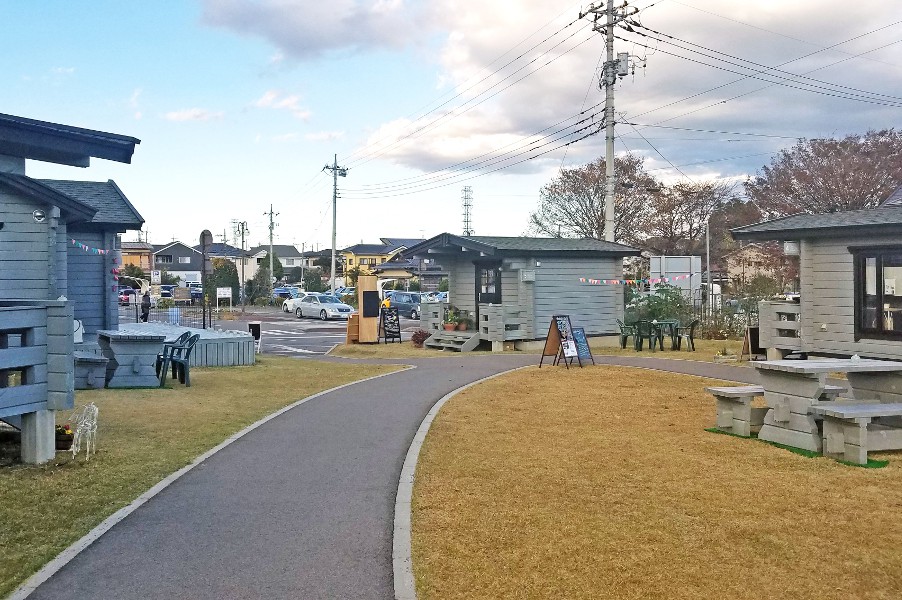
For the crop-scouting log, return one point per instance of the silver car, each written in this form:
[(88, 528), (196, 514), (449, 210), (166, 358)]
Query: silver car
[(324, 306)]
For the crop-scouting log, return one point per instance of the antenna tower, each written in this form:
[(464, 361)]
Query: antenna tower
[(466, 196)]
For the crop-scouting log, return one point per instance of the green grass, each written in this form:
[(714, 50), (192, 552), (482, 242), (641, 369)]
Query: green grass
[(871, 464), (143, 436)]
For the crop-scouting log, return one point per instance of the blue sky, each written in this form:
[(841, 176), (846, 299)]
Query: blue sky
[(240, 103)]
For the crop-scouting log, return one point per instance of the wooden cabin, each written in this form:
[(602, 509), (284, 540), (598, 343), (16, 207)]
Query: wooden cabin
[(512, 286), (850, 272), (57, 259)]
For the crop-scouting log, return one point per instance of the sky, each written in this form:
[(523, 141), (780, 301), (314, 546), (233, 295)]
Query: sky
[(239, 104)]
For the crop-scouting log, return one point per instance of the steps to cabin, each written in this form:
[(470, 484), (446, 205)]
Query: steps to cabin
[(458, 341)]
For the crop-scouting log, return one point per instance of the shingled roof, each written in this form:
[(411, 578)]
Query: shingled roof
[(519, 246), (867, 221), (112, 207), (32, 188)]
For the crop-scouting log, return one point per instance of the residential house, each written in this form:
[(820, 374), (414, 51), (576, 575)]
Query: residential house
[(850, 272), (289, 256), (179, 260), (138, 254)]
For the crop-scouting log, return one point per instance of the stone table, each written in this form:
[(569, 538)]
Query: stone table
[(132, 358)]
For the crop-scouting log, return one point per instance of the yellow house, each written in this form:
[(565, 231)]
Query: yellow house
[(368, 257), (139, 254)]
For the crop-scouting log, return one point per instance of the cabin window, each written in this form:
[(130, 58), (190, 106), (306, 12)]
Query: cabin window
[(878, 292)]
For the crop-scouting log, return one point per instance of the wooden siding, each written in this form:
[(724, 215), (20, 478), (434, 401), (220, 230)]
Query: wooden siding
[(24, 250), (86, 270), (828, 298), (594, 307), (461, 283)]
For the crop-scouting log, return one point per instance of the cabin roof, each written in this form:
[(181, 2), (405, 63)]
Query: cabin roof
[(105, 197), (31, 188), (886, 219), (514, 246)]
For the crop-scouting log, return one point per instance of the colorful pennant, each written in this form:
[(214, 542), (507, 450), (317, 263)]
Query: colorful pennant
[(631, 281), (87, 248)]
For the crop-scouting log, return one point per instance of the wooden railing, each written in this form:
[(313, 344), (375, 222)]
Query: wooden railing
[(36, 367), (502, 323), (780, 325)]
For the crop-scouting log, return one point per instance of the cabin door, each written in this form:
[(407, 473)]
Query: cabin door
[(488, 284)]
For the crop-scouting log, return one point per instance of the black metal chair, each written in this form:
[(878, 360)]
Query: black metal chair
[(687, 333), (179, 358), (626, 332)]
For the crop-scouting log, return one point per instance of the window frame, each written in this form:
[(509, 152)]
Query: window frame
[(860, 254)]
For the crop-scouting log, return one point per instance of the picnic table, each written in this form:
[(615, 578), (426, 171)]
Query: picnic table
[(662, 326), (793, 389), (131, 358)]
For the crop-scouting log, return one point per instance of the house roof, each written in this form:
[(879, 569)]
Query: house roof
[(280, 250), (161, 247), (112, 207), (61, 144), (370, 249), (220, 249), (514, 246), (136, 246), (34, 189), (396, 243), (882, 220), (894, 199)]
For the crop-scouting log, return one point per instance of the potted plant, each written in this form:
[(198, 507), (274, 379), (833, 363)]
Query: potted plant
[(724, 355), (450, 320), (464, 321), (419, 337), (64, 437)]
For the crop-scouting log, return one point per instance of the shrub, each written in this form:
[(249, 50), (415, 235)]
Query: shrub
[(419, 336)]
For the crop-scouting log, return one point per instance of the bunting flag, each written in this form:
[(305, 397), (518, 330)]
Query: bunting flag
[(87, 248), (631, 281)]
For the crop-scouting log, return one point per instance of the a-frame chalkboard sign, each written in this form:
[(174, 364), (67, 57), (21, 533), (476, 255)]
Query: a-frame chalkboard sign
[(560, 342), (389, 325)]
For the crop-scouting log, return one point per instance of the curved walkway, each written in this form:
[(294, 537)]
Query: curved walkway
[(300, 507)]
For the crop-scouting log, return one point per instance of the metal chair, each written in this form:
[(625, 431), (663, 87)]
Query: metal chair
[(687, 333)]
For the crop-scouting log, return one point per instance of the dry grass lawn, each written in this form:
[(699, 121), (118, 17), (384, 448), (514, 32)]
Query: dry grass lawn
[(602, 483), (144, 435)]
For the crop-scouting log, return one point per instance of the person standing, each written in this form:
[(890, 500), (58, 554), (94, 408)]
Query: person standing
[(145, 307)]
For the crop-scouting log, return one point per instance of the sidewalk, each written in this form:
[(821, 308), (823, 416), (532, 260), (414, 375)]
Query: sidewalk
[(301, 507)]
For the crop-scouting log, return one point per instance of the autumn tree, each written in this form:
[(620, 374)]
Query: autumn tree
[(572, 204), (679, 214), (827, 175)]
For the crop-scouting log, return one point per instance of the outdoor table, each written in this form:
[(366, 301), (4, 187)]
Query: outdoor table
[(792, 387), (131, 358), (671, 326)]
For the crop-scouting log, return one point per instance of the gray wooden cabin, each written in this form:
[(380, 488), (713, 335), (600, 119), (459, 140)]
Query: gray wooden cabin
[(850, 283), (512, 286), (45, 280)]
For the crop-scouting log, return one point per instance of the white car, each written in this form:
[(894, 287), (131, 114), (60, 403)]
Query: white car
[(290, 305), (324, 306)]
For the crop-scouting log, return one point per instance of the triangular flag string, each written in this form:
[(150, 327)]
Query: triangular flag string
[(88, 248), (631, 281)]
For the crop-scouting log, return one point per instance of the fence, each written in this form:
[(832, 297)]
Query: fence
[(186, 315)]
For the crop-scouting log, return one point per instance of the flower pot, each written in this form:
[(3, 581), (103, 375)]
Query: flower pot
[(64, 442), (461, 326), (449, 326)]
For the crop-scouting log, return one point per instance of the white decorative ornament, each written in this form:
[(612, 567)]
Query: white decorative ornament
[(85, 429)]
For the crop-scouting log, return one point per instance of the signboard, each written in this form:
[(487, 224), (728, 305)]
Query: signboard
[(156, 277), (370, 303), (390, 325), (560, 342), (582, 344), (181, 294), (223, 292)]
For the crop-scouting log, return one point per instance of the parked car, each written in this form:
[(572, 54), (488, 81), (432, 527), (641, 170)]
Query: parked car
[(407, 303), (166, 291), (324, 306), (128, 296), (290, 305)]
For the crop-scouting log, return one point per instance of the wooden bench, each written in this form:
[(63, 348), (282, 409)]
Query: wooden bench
[(849, 432), (735, 412), (90, 370)]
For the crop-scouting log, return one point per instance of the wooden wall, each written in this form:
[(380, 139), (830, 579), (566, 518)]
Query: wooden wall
[(91, 280), (25, 250), (594, 307), (828, 298)]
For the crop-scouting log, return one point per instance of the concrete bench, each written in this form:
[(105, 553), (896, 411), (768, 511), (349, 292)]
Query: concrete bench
[(849, 431), (735, 412), (90, 370)]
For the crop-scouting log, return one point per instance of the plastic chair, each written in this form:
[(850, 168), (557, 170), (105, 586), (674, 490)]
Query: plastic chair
[(650, 331), (167, 349), (178, 357), (626, 332), (689, 334)]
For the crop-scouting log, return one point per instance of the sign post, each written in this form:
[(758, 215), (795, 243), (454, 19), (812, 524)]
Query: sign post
[(206, 240), (560, 342), (224, 292)]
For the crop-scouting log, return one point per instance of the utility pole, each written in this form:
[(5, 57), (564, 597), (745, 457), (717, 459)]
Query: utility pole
[(336, 171), (271, 227), (303, 260), (612, 68), (242, 230)]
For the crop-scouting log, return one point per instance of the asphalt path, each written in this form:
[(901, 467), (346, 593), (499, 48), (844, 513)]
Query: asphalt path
[(301, 507)]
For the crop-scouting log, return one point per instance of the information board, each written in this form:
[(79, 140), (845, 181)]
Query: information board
[(582, 344), (223, 292), (370, 304), (390, 325), (560, 342)]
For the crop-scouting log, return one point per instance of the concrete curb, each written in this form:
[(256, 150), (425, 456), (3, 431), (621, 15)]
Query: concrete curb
[(64, 557), (402, 562)]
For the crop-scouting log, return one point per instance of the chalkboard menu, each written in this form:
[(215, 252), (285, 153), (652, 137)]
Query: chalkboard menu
[(560, 342), (582, 344), (370, 304), (390, 325)]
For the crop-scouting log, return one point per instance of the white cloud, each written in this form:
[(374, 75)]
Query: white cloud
[(63, 70), (193, 114), (273, 99), (324, 136)]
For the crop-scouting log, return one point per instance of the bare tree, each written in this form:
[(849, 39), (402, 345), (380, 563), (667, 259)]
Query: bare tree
[(679, 215), (827, 175), (572, 204)]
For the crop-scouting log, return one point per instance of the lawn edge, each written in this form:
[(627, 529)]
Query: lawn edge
[(402, 561), (64, 557)]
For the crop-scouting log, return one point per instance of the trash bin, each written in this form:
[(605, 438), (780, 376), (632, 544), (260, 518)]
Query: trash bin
[(174, 315), (253, 328)]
